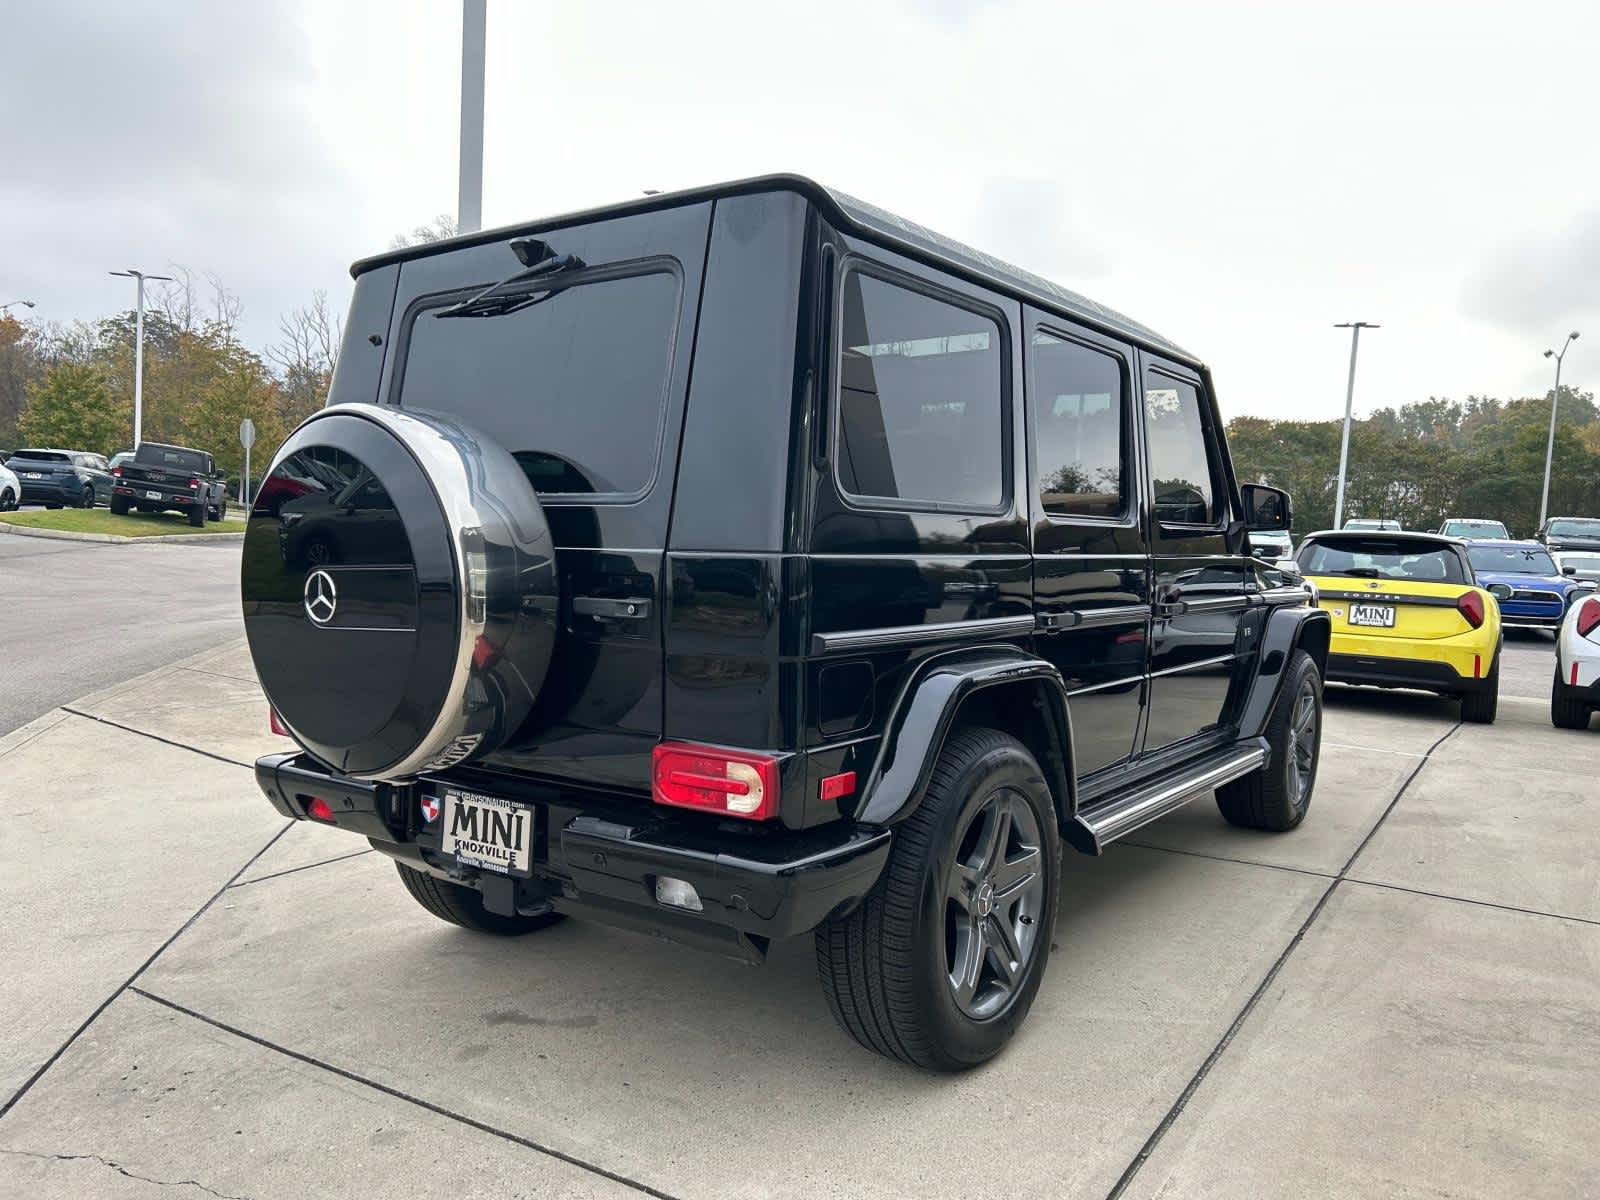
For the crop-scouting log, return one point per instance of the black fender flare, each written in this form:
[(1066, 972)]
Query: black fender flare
[(927, 707), (1287, 628)]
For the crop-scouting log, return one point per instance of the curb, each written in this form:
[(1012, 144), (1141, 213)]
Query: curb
[(67, 535)]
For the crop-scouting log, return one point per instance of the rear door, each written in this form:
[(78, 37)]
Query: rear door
[(1090, 567), (585, 387), (1198, 589)]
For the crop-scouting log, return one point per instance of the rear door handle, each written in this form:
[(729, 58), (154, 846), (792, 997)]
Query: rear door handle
[(603, 609)]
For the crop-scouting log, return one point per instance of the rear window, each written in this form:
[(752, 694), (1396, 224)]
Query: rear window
[(1383, 558), (1584, 529), (574, 385), (43, 455), (173, 458), (1513, 560), (1472, 528)]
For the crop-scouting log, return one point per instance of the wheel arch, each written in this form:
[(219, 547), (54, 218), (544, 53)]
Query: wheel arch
[(1288, 628), (1005, 688)]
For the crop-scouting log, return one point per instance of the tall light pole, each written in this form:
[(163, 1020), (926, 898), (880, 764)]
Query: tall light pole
[(469, 192), (14, 303), (138, 353), (1355, 328), (1550, 445)]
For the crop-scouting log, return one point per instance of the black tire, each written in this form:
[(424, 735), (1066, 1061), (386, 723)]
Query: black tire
[(1566, 712), (87, 499), (8, 502), (886, 967), (1480, 707), (197, 516), (463, 906), (52, 507), (119, 506), (1276, 797)]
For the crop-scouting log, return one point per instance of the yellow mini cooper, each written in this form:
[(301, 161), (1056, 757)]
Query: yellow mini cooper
[(1407, 613)]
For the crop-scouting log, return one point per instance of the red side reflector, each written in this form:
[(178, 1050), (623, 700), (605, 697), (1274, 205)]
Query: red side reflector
[(483, 653), (317, 809), (731, 783), (1574, 680), (275, 723), (1588, 616), (836, 786), (1471, 606), (1477, 666)]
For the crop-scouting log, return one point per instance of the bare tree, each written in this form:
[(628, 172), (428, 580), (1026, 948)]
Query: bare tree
[(184, 311), (441, 227), (306, 356)]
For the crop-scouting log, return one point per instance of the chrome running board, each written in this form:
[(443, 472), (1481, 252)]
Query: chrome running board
[(1097, 827)]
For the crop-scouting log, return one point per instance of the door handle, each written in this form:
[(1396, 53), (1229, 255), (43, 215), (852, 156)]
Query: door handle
[(1170, 602), (603, 609)]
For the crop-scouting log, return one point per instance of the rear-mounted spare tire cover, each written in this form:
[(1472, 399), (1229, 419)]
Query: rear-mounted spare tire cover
[(400, 592)]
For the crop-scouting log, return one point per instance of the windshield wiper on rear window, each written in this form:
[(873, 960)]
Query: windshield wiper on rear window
[(542, 260), (1361, 572)]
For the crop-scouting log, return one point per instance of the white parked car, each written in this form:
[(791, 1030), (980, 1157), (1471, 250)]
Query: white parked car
[(10, 489), (1585, 564), (1575, 693)]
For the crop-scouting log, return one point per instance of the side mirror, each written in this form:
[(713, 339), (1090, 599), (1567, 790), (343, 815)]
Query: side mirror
[(1500, 591), (1569, 570), (1266, 508)]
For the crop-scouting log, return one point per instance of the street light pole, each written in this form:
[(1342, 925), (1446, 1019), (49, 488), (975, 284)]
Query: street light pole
[(469, 193), (14, 303), (138, 353), (1550, 443), (1355, 328)]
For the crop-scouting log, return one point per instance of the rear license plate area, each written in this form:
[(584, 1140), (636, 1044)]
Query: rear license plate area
[(487, 832), (152, 495), (1377, 616)]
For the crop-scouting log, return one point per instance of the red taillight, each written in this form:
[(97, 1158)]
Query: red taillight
[(732, 783), (317, 809), (275, 723), (1588, 616), (194, 483), (1471, 606), (117, 472)]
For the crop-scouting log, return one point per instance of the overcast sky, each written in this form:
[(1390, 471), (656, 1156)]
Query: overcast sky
[(1238, 176)]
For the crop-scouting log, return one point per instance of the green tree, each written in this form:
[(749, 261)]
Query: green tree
[(72, 407)]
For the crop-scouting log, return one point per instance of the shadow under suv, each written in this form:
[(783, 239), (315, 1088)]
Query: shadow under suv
[(748, 562)]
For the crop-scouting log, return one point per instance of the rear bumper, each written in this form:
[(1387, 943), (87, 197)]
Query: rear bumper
[(65, 490), (1403, 673), (601, 858), (167, 499)]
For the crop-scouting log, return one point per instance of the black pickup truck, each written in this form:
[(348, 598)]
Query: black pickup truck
[(164, 478)]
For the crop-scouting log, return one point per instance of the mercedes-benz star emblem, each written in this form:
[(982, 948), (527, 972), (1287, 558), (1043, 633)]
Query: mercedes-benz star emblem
[(321, 597)]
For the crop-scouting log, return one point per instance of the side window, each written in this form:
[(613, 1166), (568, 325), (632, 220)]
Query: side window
[(1182, 468), (921, 413), (1079, 429)]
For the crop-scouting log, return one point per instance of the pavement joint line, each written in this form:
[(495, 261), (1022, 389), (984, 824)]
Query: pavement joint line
[(302, 867), (396, 1093), (155, 737), (1510, 908), (1226, 1040), (138, 971), (1243, 862)]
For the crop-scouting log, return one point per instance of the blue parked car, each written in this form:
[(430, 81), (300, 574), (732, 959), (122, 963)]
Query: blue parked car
[(1540, 593)]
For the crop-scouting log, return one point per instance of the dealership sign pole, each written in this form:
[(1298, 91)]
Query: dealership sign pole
[(247, 438)]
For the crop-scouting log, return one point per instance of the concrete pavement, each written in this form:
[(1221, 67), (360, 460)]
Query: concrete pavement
[(1401, 997)]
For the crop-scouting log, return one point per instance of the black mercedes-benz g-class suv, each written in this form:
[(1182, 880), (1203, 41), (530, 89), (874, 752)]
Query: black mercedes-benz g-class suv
[(748, 562)]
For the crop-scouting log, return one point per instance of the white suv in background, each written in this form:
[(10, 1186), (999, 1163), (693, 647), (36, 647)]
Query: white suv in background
[(10, 489), (1575, 694)]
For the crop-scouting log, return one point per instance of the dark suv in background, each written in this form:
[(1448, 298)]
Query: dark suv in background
[(62, 478), (748, 562)]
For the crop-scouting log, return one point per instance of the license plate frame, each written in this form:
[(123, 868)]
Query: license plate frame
[(500, 832), (33, 475), (152, 495), (1372, 616)]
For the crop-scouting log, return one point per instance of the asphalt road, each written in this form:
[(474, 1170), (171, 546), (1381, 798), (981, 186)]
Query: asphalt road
[(76, 617)]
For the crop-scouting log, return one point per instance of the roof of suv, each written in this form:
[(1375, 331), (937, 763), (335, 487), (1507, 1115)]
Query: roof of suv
[(851, 215)]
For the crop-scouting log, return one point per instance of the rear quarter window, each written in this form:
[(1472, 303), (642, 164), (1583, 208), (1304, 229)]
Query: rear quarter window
[(922, 422)]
